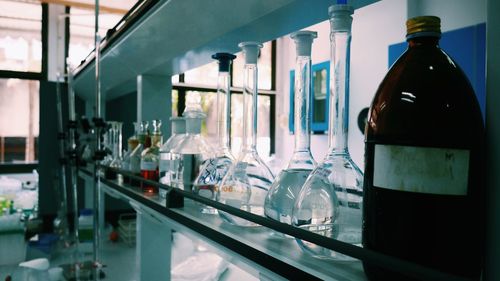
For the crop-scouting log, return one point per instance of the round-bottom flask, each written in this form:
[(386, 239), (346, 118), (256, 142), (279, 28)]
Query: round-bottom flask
[(331, 199), (285, 189)]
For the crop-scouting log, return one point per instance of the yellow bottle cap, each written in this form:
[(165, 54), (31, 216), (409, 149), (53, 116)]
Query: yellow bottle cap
[(430, 25)]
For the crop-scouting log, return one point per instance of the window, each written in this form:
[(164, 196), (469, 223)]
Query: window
[(20, 36), (21, 69), (203, 81)]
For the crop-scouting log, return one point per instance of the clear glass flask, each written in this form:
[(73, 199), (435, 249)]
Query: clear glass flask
[(246, 184), (178, 132), (150, 158), (330, 201), (214, 169), (191, 153), (285, 189)]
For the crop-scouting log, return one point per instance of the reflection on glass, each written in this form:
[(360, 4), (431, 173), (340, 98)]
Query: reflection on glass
[(20, 36), (19, 117), (319, 101), (265, 66)]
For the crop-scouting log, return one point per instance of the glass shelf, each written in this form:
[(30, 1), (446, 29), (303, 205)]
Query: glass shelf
[(281, 256)]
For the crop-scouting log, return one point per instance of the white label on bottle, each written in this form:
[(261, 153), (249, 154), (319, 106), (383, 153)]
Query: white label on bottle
[(148, 166), (421, 169)]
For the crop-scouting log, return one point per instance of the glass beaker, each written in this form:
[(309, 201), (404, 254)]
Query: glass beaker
[(246, 184), (330, 201), (178, 131), (150, 158), (190, 154), (214, 169), (285, 189)]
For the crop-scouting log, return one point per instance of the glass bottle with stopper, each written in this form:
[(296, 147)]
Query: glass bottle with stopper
[(246, 184), (214, 169), (330, 201), (135, 156), (132, 143), (193, 150), (178, 131), (150, 158), (285, 189)]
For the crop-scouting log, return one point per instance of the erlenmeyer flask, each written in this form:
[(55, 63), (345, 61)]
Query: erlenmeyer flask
[(285, 189), (331, 199), (246, 184), (214, 169), (178, 131)]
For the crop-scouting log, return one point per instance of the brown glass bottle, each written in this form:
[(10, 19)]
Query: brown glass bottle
[(423, 181)]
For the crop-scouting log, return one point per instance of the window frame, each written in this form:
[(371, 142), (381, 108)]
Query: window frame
[(8, 168)]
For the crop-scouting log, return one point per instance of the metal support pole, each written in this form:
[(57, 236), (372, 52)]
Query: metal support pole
[(98, 147), (73, 161), (61, 222)]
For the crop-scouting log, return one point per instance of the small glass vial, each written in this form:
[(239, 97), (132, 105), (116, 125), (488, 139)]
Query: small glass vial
[(178, 131), (214, 170), (331, 199), (246, 184), (285, 189), (150, 158)]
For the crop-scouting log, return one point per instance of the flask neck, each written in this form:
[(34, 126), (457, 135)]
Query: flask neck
[(223, 109), (302, 104), (249, 141), (338, 128)]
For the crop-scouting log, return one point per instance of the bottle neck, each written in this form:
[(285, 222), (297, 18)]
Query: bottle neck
[(223, 110), (339, 90), (193, 125), (249, 107), (417, 41), (147, 141)]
